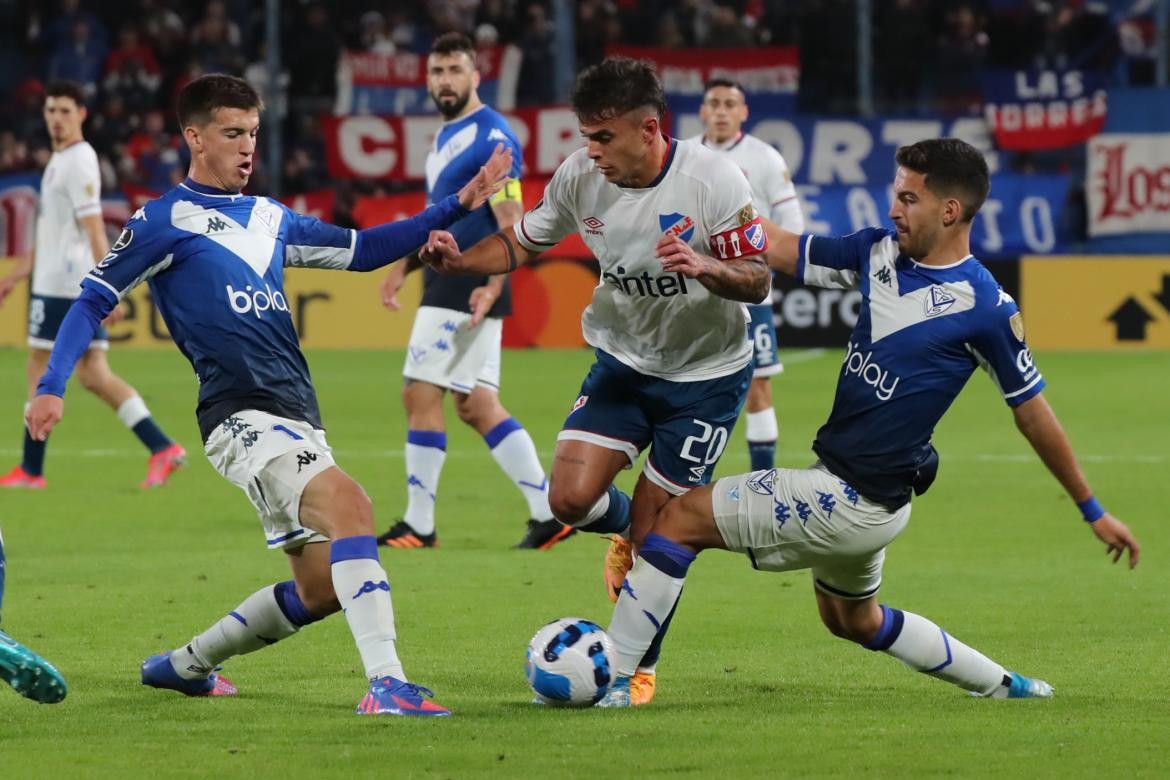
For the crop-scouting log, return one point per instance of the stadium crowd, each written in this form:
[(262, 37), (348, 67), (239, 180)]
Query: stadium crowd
[(133, 56)]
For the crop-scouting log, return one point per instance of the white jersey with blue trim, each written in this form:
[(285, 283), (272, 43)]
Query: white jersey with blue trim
[(660, 324), (773, 192), (215, 264), (71, 188), (921, 332)]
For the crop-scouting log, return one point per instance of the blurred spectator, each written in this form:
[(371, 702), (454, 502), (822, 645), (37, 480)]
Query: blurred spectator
[(79, 57), (375, 35), (538, 47), (902, 37), (961, 54), (212, 46), (312, 56), (132, 72)]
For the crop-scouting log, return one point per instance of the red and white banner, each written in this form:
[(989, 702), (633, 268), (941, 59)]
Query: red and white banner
[(762, 70), (1044, 109), (396, 147), (1128, 183)]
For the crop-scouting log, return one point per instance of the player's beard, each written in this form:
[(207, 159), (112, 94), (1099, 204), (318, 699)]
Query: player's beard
[(451, 110)]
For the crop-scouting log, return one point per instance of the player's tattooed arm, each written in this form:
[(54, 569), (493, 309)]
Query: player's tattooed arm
[(746, 279), (499, 253)]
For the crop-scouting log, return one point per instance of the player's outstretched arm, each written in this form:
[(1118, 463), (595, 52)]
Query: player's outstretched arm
[(489, 180), (783, 247), (1038, 423), (745, 279), (499, 253)]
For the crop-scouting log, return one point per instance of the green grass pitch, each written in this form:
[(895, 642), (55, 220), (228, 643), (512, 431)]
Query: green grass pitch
[(102, 575)]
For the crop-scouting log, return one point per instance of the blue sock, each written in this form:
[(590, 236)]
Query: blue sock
[(616, 517), (762, 454), (33, 461), (671, 559), (151, 435), (291, 605)]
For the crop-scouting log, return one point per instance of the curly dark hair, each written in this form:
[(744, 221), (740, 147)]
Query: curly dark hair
[(453, 43), (617, 85), (952, 168), (199, 100)]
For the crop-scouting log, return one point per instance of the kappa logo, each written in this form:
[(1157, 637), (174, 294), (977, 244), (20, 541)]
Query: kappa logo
[(214, 225), (762, 482), (938, 301), (883, 276), (369, 586), (497, 135), (1004, 297), (677, 225), (697, 473), (581, 401), (305, 458), (140, 214), (733, 494)]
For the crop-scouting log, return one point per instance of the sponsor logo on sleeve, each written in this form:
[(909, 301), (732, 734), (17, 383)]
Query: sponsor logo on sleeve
[(1017, 323), (746, 214), (124, 239)]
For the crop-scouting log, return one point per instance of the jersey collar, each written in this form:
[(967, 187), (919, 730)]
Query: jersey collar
[(672, 146), (726, 146), (204, 189)]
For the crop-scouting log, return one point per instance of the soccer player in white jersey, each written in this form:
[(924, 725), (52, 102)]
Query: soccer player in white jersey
[(455, 342), (215, 261), (723, 111), (673, 358), (931, 315), (70, 238)]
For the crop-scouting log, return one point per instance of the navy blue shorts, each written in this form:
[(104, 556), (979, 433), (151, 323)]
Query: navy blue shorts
[(762, 334), (45, 315), (686, 424)]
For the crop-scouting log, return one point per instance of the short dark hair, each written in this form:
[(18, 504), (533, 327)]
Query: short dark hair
[(712, 83), (952, 168), (69, 89), (615, 86), (453, 43), (199, 100)]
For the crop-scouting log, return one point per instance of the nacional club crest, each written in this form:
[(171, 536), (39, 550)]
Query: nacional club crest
[(677, 225)]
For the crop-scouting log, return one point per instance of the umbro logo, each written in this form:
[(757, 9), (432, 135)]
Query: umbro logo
[(883, 276), (697, 473), (593, 225), (215, 224)]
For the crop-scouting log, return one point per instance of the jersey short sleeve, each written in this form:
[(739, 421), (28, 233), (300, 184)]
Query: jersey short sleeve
[(736, 230), (143, 248), (311, 243), (834, 262), (551, 219), (83, 184), (783, 204), (1000, 349)]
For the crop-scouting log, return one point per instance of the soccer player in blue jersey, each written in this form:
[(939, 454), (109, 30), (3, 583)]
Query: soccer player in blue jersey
[(455, 342), (29, 675), (931, 314), (215, 261)]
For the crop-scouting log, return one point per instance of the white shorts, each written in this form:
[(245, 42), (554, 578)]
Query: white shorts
[(271, 459), (789, 519), (445, 352)]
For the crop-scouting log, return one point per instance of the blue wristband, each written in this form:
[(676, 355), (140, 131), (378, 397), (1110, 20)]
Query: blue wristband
[(1091, 509)]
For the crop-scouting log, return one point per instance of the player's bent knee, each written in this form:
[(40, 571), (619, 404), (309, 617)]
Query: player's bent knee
[(318, 596), (570, 505), (688, 520)]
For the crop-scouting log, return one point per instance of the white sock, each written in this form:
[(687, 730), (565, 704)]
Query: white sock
[(513, 449), (133, 411), (425, 453), (925, 647), (761, 425), (364, 592), (256, 623), (645, 601)]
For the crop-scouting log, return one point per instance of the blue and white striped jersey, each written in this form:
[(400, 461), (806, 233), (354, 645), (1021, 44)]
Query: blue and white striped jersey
[(920, 334), (215, 264)]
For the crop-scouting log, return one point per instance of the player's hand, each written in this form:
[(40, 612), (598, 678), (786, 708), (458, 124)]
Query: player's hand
[(7, 285), (489, 180), (1116, 537), (43, 414), (390, 287), (678, 256), (441, 252), (481, 301), (116, 315)]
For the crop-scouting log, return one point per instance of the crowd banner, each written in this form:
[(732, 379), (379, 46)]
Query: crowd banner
[(396, 147), (1044, 109), (1128, 183), (377, 83), (1096, 302), (770, 75)]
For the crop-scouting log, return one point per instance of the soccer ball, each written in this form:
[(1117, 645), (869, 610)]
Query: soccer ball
[(571, 663)]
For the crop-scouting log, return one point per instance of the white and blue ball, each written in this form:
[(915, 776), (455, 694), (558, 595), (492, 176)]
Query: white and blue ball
[(571, 663)]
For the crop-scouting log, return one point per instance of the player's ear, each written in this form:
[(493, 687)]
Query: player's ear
[(952, 211), (651, 127), (193, 139), (475, 79)]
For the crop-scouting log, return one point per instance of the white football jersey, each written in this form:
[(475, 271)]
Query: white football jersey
[(660, 324), (70, 189), (773, 193)]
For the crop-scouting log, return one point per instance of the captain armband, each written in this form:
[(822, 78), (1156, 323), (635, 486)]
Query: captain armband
[(509, 192), (741, 241)]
